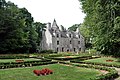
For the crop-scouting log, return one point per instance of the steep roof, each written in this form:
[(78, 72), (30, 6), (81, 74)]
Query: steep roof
[(63, 34), (54, 25)]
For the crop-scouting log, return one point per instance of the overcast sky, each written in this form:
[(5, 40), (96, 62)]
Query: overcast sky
[(66, 12)]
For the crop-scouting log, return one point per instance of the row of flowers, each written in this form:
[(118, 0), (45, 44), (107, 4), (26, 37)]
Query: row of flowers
[(45, 71)]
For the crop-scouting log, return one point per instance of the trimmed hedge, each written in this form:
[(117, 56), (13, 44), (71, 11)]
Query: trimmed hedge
[(81, 58), (25, 64), (47, 51), (111, 75), (13, 57), (95, 63)]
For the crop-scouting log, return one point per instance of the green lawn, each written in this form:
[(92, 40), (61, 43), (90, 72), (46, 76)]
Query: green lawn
[(13, 60), (103, 60), (61, 72)]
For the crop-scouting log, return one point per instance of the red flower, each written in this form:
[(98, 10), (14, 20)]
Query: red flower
[(43, 72), (37, 72)]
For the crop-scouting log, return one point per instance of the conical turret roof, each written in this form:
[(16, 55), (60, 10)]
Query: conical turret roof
[(54, 25)]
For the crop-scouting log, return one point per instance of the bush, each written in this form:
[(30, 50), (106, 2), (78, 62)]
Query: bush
[(47, 51), (13, 57)]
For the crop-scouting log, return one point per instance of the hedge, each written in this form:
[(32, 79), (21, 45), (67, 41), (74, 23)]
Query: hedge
[(95, 63), (25, 64), (111, 75)]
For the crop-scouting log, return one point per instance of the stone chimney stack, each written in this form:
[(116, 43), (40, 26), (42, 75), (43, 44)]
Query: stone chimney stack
[(48, 25)]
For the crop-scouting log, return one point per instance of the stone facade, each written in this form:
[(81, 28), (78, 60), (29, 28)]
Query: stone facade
[(62, 40)]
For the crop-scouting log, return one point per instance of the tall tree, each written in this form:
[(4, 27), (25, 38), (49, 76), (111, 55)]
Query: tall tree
[(84, 30), (14, 23), (103, 18), (74, 27), (39, 27)]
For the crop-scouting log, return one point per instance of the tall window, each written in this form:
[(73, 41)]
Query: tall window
[(57, 35), (74, 49), (78, 42), (70, 41), (70, 35), (79, 36), (57, 49), (57, 42), (67, 50), (62, 49), (79, 49)]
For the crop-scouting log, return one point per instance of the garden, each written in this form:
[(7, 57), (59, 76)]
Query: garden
[(58, 66), (60, 72)]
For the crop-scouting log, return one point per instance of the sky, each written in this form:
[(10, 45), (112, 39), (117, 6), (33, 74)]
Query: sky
[(65, 12)]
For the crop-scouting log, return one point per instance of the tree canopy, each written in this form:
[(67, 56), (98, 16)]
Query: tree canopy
[(103, 21), (17, 30)]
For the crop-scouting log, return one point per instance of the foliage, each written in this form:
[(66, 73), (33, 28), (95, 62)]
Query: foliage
[(103, 19), (39, 28), (18, 33), (47, 51), (84, 30), (74, 27)]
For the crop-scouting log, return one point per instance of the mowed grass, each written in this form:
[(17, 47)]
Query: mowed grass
[(103, 60), (60, 72), (13, 60)]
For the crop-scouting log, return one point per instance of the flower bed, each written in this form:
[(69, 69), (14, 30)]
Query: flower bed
[(45, 71), (19, 60), (109, 60)]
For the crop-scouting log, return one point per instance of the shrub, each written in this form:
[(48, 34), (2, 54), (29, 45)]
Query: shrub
[(47, 51)]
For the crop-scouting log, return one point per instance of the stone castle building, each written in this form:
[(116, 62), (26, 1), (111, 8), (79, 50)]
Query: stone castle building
[(61, 40)]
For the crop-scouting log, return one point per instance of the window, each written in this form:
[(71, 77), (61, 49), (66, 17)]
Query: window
[(79, 36), (70, 35), (57, 49), (57, 42), (79, 49), (62, 49), (74, 49), (70, 42), (67, 50), (57, 35), (78, 42)]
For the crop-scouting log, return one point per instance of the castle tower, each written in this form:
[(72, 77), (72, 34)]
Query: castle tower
[(54, 25)]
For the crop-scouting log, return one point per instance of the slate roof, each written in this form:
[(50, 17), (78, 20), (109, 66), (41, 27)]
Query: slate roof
[(63, 32), (54, 25)]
